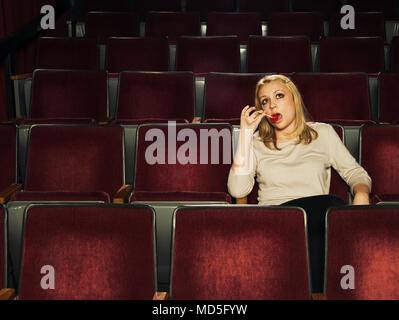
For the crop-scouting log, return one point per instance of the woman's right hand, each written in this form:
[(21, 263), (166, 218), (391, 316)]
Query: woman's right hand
[(250, 122)]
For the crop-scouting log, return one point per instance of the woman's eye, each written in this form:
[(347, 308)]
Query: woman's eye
[(279, 95), (264, 101)]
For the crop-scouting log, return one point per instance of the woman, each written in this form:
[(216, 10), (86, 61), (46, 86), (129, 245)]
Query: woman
[(292, 161)]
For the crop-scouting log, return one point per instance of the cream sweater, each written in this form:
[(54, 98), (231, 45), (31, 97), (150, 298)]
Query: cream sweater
[(297, 170)]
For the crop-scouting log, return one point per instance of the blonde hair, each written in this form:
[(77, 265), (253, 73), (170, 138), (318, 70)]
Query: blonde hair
[(267, 133)]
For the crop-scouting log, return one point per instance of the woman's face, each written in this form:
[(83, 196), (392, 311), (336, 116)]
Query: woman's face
[(277, 101)]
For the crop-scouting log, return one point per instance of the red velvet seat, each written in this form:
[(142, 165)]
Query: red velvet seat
[(352, 54), (308, 24), (137, 54), (112, 24), (206, 6), (362, 244), (370, 24), (197, 170), (388, 7), (93, 252), (155, 97), (172, 25), (394, 54), (335, 97), (337, 185), (234, 23), (67, 53), (73, 163), (68, 96), (388, 96), (226, 94), (251, 253), (279, 54), (265, 7), (325, 7), (379, 151), (8, 159), (208, 54)]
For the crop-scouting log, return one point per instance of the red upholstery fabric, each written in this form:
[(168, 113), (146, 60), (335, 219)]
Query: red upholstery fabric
[(240, 253), (8, 156), (206, 6), (308, 24), (172, 25), (136, 122), (180, 177), (369, 24), (379, 149), (326, 7), (395, 54), (350, 54), (385, 198), (366, 239), (162, 95), (208, 54), (75, 159), (139, 54), (234, 23), (337, 185), (232, 121), (61, 196), (69, 94), (58, 121), (335, 97), (180, 196), (388, 97), (227, 94), (143, 7), (97, 252), (279, 54), (266, 7), (67, 53), (109, 24), (2, 247), (388, 7)]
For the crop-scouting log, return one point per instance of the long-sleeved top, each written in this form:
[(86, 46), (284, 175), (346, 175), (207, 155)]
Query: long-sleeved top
[(297, 170)]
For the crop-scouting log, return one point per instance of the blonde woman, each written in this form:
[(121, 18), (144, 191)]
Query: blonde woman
[(292, 160)]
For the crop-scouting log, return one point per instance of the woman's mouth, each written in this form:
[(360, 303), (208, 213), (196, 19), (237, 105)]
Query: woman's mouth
[(276, 117)]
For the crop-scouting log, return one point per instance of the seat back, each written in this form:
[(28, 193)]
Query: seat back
[(388, 7), (325, 7), (265, 7), (75, 158), (178, 157), (69, 94), (388, 96), (208, 54), (3, 247), (88, 252), (143, 7), (67, 53), (156, 95), (138, 54), (8, 159), (394, 54), (206, 6), (279, 54), (362, 259), (109, 24), (239, 253), (172, 25)]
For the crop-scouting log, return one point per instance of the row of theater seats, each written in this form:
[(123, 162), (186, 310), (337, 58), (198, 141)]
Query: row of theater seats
[(176, 24), (95, 251), (221, 54), (266, 7), (73, 96), (181, 162)]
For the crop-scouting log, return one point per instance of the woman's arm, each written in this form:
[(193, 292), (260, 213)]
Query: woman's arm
[(361, 192)]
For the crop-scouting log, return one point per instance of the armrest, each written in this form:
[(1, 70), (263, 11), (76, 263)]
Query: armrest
[(6, 194), (122, 195), (319, 296), (242, 200), (7, 294), (160, 296), (21, 76), (384, 122), (196, 120)]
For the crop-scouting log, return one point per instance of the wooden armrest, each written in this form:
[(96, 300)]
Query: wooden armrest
[(242, 200), (21, 76), (196, 120), (6, 194), (68, 22), (319, 296), (160, 296), (7, 294), (122, 195)]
